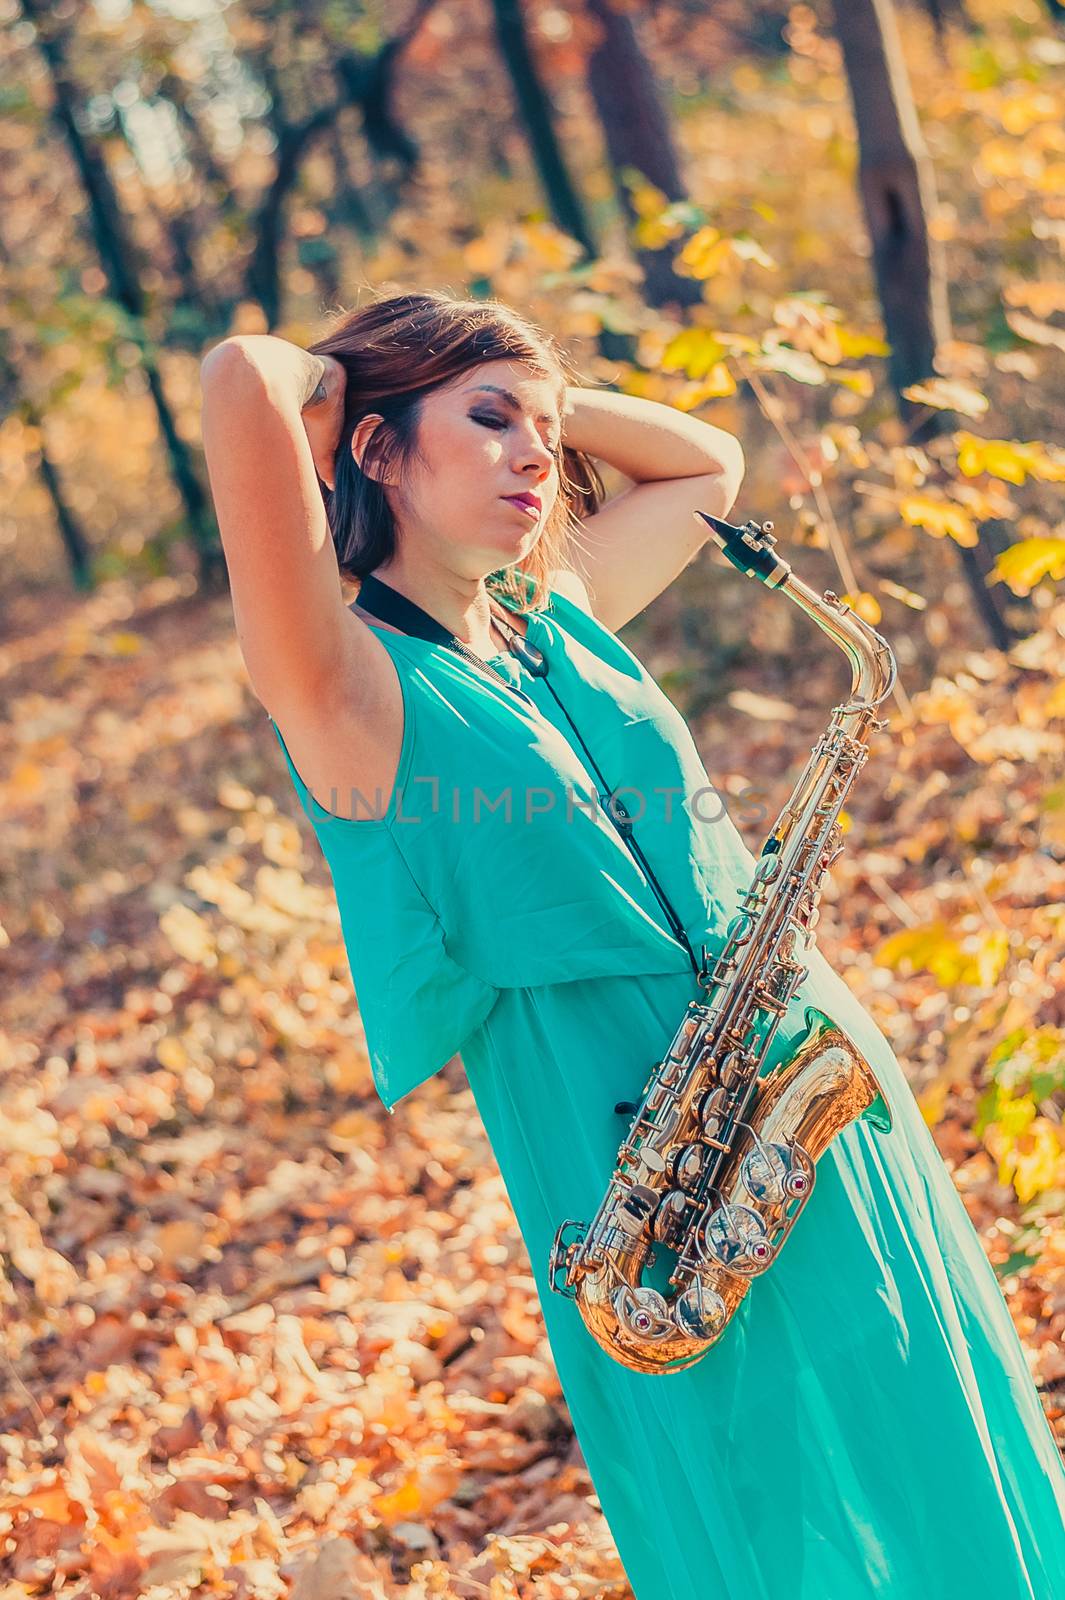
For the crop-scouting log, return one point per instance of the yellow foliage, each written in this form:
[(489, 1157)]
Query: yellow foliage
[(916, 602), (1008, 459), (1042, 298), (1055, 703), (948, 394), (1030, 1150), (931, 947), (696, 352), (859, 380), (1023, 565), (939, 518), (125, 644), (648, 385), (1036, 332), (550, 248), (932, 1101), (853, 346), (705, 253), (864, 605), (708, 251), (483, 257), (797, 364), (719, 382)]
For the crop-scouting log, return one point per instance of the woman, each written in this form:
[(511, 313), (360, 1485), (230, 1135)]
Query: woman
[(868, 1423)]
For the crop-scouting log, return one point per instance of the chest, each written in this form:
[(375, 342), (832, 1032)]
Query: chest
[(509, 798)]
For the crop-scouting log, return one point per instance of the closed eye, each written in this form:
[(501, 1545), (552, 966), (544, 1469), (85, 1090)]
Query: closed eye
[(489, 421)]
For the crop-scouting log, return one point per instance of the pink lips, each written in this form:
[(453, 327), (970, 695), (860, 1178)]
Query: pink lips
[(528, 502)]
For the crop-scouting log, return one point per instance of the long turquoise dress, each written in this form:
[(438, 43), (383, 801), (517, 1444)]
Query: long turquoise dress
[(867, 1425)]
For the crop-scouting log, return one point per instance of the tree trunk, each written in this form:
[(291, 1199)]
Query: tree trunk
[(898, 193), (943, 14), (115, 248), (363, 81), (564, 202), (639, 141)]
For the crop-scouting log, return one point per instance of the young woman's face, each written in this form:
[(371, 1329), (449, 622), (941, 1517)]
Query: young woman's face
[(491, 435)]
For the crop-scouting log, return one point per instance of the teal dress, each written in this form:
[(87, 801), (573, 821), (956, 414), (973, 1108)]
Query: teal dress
[(867, 1425)]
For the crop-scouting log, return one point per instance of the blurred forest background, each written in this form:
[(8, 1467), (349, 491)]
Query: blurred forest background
[(260, 1339)]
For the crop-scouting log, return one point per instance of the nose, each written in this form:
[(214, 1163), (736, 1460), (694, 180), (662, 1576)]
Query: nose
[(532, 451)]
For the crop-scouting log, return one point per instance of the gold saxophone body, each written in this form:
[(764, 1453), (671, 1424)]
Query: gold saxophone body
[(719, 1158)]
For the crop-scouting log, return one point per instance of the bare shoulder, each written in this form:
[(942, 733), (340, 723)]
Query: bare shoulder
[(346, 738)]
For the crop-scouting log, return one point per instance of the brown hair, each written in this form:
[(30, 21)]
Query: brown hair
[(400, 348)]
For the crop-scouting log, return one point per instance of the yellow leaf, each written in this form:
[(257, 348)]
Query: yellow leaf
[(482, 257), (932, 1100), (647, 200), (171, 1053), (719, 382), (797, 364), (705, 253), (939, 518), (864, 605), (189, 934), (1023, 565), (948, 394), (1028, 1149), (1055, 704), (859, 381), (649, 385), (696, 352), (929, 947), (1042, 298), (916, 601), (1042, 333), (553, 249), (352, 1132), (992, 955), (651, 233), (125, 644), (1039, 1160), (1009, 459), (853, 346)]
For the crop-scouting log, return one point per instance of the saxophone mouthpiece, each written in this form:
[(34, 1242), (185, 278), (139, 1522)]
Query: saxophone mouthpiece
[(750, 549)]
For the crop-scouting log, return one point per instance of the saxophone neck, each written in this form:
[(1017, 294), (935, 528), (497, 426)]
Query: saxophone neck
[(872, 659), (751, 549)]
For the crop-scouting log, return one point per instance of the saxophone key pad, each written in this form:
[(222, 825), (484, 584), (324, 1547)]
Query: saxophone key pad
[(735, 1237)]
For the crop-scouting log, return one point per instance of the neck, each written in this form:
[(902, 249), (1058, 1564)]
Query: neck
[(460, 604)]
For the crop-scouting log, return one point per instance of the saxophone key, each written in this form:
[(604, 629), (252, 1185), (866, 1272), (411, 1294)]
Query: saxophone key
[(733, 1068), (642, 1312), (652, 1159), (636, 1210), (734, 1236), (667, 1225), (687, 1164), (701, 1312)]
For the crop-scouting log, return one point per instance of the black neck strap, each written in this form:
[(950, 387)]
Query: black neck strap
[(380, 600)]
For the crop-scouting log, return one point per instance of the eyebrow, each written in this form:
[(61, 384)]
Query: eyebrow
[(511, 399)]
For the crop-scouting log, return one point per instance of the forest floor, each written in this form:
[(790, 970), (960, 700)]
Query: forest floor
[(257, 1333)]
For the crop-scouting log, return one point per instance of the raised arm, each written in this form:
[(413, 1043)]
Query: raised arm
[(636, 545), (271, 413)]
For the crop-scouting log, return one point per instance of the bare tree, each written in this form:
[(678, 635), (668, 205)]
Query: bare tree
[(118, 258), (639, 139), (898, 193), (534, 106)]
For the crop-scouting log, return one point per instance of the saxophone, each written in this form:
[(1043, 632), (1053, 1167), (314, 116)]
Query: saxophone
[(719, 1157)]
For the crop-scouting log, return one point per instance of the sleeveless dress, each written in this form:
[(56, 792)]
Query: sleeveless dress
[(867, 1424)]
